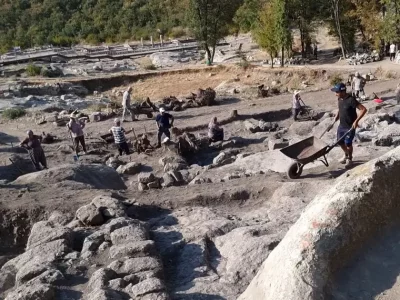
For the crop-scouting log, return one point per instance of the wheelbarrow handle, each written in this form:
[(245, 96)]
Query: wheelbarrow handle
[(329, 149)]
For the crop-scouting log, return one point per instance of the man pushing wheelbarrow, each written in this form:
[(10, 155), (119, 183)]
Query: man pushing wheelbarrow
[(312, 149)]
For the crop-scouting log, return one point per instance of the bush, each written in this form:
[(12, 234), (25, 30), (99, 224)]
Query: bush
[(13, 113), (244, 64), (336, 79), (33, 70), (177, 32), (150, 67)]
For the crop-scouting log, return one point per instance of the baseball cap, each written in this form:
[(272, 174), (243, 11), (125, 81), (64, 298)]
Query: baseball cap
[(117, 120), (162, 109), (340, 87)]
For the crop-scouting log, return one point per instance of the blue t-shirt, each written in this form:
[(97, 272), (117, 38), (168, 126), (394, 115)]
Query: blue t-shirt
[(163, 120)]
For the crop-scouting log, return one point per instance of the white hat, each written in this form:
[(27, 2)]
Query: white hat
[(296, 92), (73, 115), (117, 120), (162, 109), (357, 74)]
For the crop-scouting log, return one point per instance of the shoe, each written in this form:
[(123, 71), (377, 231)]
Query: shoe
[(343, 160), (349, 163)]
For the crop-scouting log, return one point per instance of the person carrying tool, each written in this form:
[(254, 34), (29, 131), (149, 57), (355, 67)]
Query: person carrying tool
[(119, 137), (33, 143), (75, 128), (164, 124), (357, 85), (296, 104), (126, 105), (349, 120)]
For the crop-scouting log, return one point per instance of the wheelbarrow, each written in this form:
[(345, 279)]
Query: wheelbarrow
[(308, 151)]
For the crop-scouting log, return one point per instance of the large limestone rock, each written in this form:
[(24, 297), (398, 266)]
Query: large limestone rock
[(333, 227), (33, 292), (44, 232), (302, 128), (48, 252), (389, 136), (96, 176), (151, 285), (90, 215), (243, 259), (131, 233), (131, 168), (109, 207), (135, 265)]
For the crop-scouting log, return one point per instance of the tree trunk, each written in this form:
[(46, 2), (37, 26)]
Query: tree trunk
[(337, 21), (209, 57), (213, 54), (302, 39), (283, 57), (272, 62)]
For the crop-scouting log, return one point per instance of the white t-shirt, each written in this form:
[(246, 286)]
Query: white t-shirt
[(126, 99), (392, 48), (296, 102)]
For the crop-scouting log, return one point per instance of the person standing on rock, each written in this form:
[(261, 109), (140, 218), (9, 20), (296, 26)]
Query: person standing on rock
[(164, 122), (33, 143), (119, 137), (126, 104), (76, 129), (349, 120), (357, 85)]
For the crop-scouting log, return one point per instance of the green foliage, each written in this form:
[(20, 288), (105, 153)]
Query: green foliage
[(33, 70), (150, 67), (247, 13), (272, 31), (13, 113), (210, 20), (29, 23), (336, 78)]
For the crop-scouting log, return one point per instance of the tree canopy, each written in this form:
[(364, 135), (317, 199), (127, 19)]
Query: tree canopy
[(28, 23)]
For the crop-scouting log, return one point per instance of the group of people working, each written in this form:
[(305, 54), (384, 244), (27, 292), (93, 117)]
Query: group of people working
[(348, 104), (347, 115)]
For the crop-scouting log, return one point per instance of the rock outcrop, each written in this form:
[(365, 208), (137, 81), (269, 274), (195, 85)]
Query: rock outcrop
[(333, 227), (96, 176)]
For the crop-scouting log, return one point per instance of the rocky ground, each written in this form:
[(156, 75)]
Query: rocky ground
[(163, 225)]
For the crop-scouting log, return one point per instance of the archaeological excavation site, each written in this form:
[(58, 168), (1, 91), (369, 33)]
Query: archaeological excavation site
[(232, 199)]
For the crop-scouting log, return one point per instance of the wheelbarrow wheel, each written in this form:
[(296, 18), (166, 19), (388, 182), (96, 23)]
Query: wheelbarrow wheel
[(294, 171)]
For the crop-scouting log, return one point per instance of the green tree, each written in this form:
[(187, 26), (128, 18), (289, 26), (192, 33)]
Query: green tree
[(247, 14), (264, 31), (210, 20)]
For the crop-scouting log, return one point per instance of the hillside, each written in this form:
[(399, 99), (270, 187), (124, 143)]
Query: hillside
[(28, 23)]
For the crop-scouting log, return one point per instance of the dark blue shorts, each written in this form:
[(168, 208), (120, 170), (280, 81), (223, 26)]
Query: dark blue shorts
[(348, 140)]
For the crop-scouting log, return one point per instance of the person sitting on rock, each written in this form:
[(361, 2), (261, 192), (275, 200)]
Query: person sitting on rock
[(76, 128), (33, 144), (119, 137), (215, 133), (164, 124), (296, 106)]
